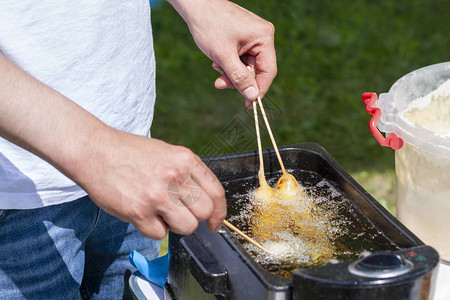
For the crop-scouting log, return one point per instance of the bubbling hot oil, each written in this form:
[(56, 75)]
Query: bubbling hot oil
[(306, 231)]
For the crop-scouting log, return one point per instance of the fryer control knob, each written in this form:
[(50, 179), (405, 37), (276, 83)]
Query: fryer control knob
[(380, 265), (381, 261)]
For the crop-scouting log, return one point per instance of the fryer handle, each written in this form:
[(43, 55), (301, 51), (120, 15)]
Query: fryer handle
[(204, 266), (393, 140)]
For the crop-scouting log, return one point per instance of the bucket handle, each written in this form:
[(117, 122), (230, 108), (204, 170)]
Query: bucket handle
[(393, 141)]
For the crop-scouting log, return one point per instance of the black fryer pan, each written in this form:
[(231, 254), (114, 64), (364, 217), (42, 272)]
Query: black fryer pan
[(204, 265)]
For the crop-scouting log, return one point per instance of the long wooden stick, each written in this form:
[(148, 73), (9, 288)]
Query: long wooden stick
[(271, 135), (229, 225), (258, 139)]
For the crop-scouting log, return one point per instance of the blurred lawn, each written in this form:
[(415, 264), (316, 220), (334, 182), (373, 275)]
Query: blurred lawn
[(329, 53)]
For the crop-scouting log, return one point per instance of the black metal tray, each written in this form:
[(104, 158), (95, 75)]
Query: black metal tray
[(216, 264)]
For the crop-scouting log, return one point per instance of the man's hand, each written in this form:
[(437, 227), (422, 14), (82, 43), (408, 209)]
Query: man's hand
[(233, 37), (154, 185)]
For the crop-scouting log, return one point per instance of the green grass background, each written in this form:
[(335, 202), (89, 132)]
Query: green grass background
[(328, 53)]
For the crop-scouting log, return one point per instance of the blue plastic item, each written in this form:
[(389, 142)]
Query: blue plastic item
[(155, 270)]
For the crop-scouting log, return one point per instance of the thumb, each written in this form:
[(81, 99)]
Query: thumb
[(242, 79)]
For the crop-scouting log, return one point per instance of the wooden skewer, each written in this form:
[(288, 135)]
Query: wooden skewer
[(258, 139), (266, 121), (229, 225), (271, 135), (261, 174)]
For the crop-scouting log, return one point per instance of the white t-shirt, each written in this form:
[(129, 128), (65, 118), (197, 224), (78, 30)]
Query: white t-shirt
[(97, 53)]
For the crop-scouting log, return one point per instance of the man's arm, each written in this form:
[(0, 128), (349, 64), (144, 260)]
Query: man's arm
[(126, 175), (232, 37)]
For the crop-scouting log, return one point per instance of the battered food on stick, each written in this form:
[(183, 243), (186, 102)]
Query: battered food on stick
[(265, 192), (287, 187)]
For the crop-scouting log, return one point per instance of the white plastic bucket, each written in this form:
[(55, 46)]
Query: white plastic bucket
[(415, 115)]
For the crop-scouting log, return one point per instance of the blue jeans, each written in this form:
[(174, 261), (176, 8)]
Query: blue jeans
[(68, 251)]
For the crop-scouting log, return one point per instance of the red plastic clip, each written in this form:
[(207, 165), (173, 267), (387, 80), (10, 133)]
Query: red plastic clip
[(393, 140)]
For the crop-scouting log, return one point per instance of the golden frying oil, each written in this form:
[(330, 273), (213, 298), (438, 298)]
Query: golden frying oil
[(315, 227)]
